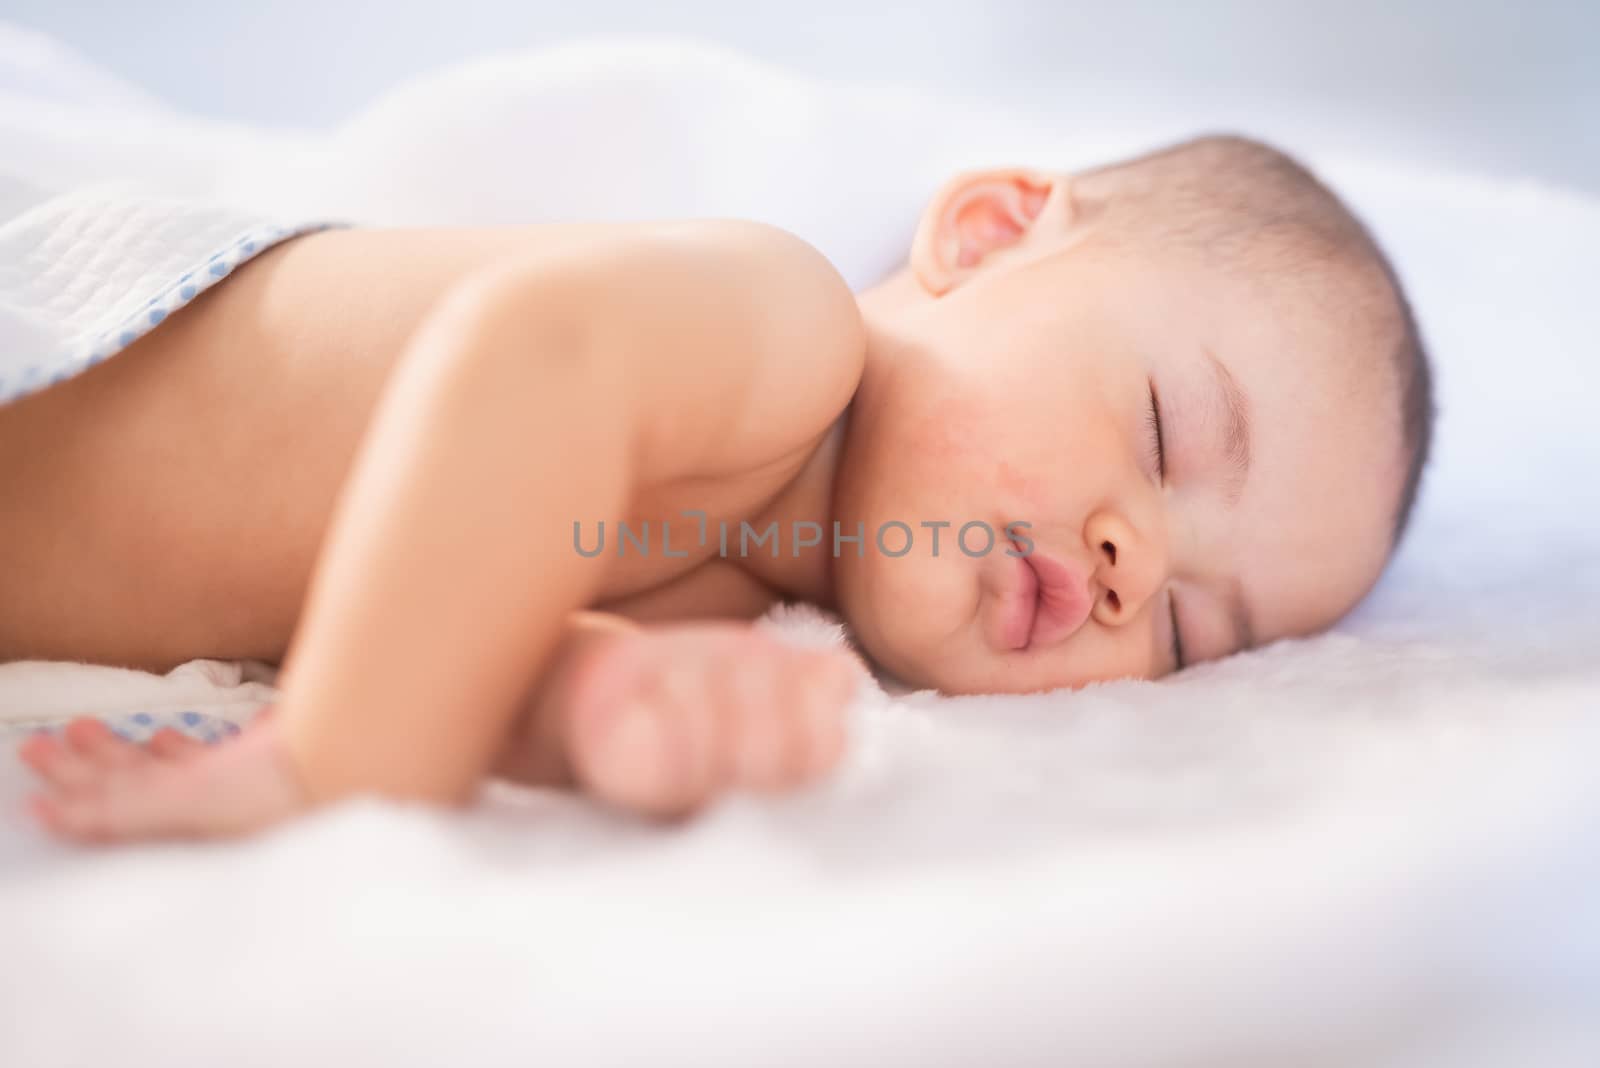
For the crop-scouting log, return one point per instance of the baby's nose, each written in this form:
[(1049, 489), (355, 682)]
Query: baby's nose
[(1129, 569)]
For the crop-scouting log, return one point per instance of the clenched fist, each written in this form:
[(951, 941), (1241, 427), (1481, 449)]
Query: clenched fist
[(661, 720)]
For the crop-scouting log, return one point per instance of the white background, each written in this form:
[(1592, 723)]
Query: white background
[(1496, 86)]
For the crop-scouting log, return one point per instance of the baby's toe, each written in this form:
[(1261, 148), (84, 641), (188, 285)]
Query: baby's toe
[(55, 762), (170, 744), (122, 804), (46, 809), (241, 785), (98, 744), (41, 752), (77, 815)]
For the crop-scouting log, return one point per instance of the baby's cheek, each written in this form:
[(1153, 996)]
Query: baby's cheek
[(913, 610), (1016, 484), (941, 436)]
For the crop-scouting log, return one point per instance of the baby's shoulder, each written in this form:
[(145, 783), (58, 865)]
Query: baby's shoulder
[(741, 341)]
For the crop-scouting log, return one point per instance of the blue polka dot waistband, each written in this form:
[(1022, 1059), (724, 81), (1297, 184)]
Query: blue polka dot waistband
[(26, 373)]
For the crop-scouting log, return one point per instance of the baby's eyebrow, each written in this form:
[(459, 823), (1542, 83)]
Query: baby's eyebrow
[(1235, 411)]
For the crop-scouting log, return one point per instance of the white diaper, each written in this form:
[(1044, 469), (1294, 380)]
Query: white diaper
[(86, 273)]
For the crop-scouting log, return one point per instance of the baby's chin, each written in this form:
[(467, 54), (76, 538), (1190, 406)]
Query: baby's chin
[(892, 651), (932, 628), (958, 664), (957, 660)]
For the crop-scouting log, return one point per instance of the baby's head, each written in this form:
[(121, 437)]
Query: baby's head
[(1189, 381)]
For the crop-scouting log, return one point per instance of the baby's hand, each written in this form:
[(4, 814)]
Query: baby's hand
[(662, 720)]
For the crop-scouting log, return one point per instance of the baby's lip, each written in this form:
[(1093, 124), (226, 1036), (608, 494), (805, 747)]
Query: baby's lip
[(1064, 599), (1050, 602), (1019, 608)]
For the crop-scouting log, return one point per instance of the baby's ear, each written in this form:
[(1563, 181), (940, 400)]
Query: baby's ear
[(978, 214)]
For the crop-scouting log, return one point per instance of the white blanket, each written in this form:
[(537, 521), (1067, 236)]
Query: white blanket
[(1377, 847), (85, 273)]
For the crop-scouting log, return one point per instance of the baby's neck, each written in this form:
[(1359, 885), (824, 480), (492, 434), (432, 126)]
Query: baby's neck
[(809, 497)]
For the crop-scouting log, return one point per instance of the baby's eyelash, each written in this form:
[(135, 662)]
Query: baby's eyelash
[(1153, 421), (1177, 636)]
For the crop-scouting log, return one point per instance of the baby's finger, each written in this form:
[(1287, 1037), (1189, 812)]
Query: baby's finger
[(694, 734), (757, 735), (650, 752), (834, 678), (784, 727)]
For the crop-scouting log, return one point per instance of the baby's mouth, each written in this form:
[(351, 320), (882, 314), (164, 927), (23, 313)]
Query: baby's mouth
[(1020, 608), (1051, 602)]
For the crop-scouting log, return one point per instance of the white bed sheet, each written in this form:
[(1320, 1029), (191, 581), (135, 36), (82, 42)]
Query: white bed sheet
[(1376, 847)]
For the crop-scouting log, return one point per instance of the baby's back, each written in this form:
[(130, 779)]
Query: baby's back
[(169, 502)]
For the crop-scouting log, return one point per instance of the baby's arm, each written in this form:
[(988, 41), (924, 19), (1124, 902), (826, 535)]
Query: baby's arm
[(536, 750), (448, 570), (550, 388)]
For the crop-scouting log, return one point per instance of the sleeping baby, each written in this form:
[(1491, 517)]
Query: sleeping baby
[(503, 502)]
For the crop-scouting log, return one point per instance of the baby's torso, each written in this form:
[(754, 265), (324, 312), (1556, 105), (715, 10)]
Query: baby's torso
[(174, 498)]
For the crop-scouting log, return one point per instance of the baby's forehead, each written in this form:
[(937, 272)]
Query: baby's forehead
[(1331, 366), (1328, 463), (1320, 316), (1326, 421), (1315, 364)]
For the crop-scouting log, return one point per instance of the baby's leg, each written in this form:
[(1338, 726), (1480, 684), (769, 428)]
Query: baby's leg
[(443, 584)]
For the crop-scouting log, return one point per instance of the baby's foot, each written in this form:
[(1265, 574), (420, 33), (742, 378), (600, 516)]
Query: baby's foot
[(661, 721), (101, 788)]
